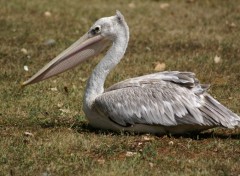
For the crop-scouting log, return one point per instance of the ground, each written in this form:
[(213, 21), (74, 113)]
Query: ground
[(43, 129)]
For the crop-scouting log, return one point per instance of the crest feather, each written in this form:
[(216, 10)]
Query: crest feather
[(119, 16)]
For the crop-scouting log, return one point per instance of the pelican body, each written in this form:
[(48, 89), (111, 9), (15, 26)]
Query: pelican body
[(165, 102)]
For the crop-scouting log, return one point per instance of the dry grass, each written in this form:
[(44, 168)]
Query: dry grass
[(186, 35)]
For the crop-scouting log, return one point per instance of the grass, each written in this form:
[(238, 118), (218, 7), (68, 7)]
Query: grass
[(186, 36)]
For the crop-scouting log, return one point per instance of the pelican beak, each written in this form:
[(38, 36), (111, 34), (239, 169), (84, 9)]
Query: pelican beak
[(84, 48)]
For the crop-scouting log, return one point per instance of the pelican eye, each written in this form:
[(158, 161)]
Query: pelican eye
[(96, 30)]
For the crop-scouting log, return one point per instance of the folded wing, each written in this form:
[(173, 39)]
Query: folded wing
[(166, 98)]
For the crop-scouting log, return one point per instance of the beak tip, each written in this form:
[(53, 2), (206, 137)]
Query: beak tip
[(23, 84)]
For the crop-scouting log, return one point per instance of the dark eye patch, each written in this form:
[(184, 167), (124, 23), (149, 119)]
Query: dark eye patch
[(95, 30)]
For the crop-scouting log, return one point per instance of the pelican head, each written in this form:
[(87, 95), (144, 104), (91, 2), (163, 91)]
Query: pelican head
[(103, 32)]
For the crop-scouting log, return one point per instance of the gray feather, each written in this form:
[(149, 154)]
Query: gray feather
[(167, 98)]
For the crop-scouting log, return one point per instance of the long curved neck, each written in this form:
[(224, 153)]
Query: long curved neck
[(95, 85)]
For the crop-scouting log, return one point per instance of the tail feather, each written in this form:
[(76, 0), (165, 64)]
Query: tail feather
[(219, 114)]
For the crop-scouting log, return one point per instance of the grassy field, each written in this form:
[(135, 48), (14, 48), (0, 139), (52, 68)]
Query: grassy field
[(43, 130)]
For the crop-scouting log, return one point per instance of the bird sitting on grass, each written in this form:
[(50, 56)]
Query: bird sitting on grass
[(165, 102)]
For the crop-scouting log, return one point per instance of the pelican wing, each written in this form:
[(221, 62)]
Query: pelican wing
[(167, 98), (185, 79)]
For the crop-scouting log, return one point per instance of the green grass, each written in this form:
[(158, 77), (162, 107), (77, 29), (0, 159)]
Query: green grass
[(186, 36)]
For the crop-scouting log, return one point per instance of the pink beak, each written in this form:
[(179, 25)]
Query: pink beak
[(84, 48)]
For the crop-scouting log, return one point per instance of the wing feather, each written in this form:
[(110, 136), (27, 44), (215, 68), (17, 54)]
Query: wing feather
[(167, 98)]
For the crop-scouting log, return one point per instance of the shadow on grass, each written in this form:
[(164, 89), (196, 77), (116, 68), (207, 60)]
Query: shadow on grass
[(207, 135), (86, 128)]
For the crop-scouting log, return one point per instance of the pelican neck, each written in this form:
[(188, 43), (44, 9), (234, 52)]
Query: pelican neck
[(95, 84)]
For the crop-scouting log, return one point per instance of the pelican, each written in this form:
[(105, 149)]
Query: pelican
[(160, 103)]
